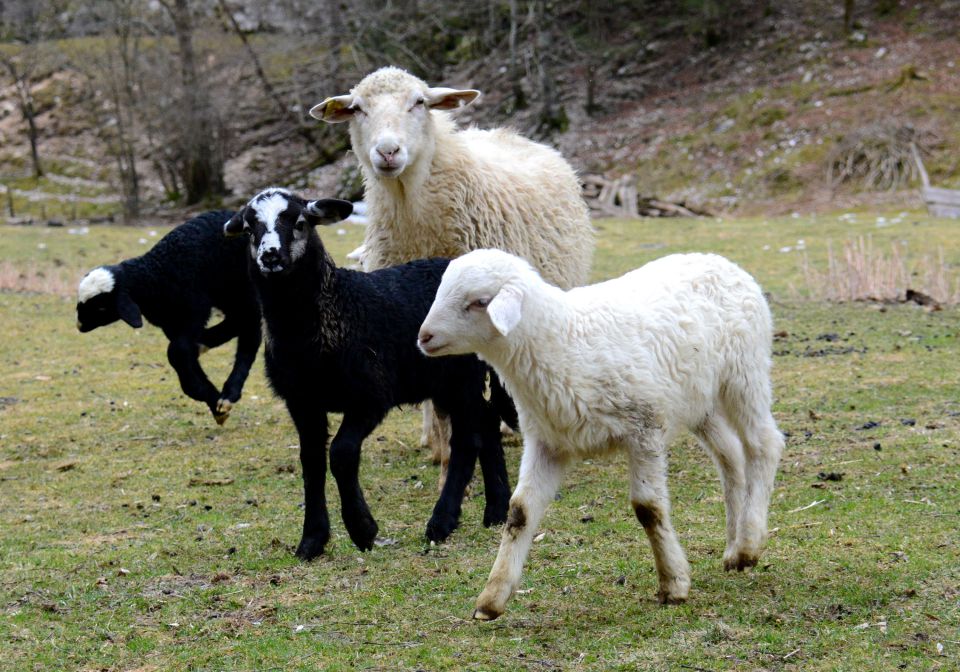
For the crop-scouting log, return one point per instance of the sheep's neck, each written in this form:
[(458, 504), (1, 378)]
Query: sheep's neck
[(303, 301), (144, 279), (549, 324)]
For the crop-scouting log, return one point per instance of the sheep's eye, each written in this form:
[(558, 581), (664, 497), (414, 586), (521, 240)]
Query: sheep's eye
[(478, 304), (417, 103), (357, 109)]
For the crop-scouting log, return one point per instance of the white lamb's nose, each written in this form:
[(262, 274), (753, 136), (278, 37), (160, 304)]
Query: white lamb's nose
[(388, 150)]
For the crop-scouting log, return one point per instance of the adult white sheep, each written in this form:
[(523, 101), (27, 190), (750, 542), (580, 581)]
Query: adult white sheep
[(681, 342), (435, 191)]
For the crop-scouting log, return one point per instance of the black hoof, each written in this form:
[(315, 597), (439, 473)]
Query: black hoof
[(495, 514), (311, 547), (363, 533), (440, 527)]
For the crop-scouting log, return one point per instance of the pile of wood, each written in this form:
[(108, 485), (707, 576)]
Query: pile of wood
[(620, 198)]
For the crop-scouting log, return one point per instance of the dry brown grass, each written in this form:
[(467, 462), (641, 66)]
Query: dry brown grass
[(33, 277), (860, 272), (878, 156)]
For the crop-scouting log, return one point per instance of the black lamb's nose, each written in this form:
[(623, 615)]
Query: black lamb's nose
[(270, 258)]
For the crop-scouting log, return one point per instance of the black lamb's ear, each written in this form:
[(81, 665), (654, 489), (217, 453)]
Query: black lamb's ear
[(327, 211), (237, 224), (129, 311)]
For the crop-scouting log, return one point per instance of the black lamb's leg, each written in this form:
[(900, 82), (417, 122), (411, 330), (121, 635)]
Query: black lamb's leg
[(345, 466), (248, 342), (496, 483), (464, 447), (312, 428), (183, 356), (218, 334)]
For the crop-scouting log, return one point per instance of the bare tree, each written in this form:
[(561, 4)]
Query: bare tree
[(19, 68), (519, 99), (202, 158), (552, 116)]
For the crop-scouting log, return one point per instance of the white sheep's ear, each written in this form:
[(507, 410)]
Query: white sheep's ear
[(334, 110), (441, 98), (327, 211), (505, 308)]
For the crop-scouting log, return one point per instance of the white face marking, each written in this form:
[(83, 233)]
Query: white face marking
[(268, 210), (96, 282)]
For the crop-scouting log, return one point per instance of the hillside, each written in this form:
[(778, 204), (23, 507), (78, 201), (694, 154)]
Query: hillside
[(749, 124)]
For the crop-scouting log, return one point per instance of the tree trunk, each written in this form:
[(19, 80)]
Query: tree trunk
[(552, 115), (25, 99), (519, 99), (847, 16), (202, 167)]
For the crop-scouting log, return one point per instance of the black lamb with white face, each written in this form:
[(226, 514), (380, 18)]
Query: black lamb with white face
[(175, 286), (342, 341)]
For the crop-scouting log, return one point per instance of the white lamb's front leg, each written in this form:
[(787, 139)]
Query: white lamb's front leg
[(651, 503), (540, 476)]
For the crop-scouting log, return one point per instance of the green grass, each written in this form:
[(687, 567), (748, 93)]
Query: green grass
[(110, 559)]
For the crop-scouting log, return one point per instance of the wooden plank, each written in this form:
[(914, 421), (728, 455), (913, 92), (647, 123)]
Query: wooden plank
[(944, 196), (939, 210)]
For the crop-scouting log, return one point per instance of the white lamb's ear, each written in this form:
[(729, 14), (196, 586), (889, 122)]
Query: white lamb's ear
[(334, 110), (504, 309), (441, 98)]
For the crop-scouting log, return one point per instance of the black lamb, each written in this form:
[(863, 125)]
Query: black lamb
[(175, 285), (344, 341)]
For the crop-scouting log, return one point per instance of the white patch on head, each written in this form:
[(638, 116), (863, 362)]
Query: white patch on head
[(96, 282), (268, 208)]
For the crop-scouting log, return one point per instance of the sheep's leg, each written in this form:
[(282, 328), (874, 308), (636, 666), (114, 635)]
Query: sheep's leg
[(540, 476), (217, 335), (248, 342), (763, 444), (183, 356), (345, 466), (496, 483), (651, 503), (312, 428), (465, 443), (721, 441)]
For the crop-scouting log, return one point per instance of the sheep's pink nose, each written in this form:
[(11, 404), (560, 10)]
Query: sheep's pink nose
[(425, 337), (388, 150)]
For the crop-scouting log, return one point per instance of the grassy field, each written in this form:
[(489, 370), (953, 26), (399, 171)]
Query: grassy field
[(135, 534)]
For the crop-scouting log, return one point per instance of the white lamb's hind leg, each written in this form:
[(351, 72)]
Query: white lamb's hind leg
[(720, 440), (651, 503), (748, 407), (540, 476)]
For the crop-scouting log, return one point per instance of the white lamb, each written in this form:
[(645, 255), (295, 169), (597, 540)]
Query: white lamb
[(622, 365), (435, 191)]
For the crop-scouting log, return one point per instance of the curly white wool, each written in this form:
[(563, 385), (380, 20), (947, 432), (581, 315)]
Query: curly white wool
[(684, 341)]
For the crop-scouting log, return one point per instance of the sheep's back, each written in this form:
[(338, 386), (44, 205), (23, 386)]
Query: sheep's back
[(657, 345), (488, 189)]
